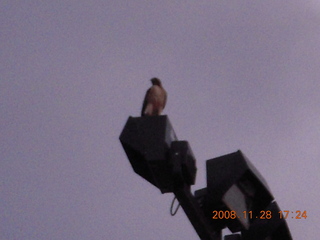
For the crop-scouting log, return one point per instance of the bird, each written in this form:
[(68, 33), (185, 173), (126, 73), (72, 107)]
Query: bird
[(155, 99)]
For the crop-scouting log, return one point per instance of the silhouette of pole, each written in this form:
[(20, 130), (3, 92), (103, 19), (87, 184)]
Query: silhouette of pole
[(234, 185), (195, 214)]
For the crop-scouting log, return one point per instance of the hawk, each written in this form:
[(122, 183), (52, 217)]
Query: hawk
[(155, 99)]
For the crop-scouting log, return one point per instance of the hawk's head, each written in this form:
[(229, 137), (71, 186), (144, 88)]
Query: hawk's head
[(156, 81)]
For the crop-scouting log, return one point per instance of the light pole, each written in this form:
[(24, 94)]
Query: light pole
[(236, 195)]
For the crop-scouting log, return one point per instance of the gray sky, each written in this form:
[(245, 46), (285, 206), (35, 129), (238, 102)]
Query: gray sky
[(239, 74)]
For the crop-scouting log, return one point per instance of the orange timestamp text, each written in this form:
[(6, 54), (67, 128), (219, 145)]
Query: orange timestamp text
[(231, 214)]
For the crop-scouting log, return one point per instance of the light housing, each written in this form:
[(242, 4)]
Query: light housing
[(156, 154), (234, 184)]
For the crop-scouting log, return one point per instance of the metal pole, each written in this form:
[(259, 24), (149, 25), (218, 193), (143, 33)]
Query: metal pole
[(195, 214)]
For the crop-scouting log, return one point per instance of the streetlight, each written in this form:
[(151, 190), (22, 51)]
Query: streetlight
[(236, 195)]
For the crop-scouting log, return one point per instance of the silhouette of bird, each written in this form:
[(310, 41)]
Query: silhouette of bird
[(155, 99)]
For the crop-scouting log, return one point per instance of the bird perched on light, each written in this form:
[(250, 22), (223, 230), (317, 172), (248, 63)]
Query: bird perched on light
[(155, 99)]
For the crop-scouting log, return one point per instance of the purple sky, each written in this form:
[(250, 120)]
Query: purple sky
[(239, 75)]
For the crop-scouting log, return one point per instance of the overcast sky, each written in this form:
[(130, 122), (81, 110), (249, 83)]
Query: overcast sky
[(239, 75)]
